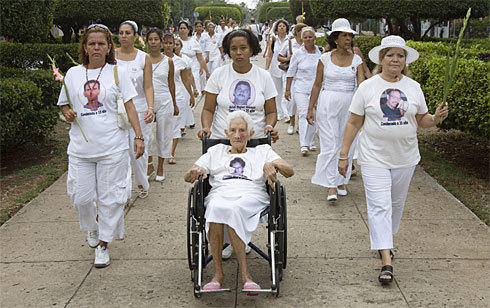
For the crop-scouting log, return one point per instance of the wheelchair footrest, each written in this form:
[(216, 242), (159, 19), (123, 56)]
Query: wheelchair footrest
[(214, 291), (259, 291)]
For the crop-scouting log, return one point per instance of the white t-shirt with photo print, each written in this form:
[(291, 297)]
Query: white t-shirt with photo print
[(236, 175), (388, 138), (247, 92), (98, 118)]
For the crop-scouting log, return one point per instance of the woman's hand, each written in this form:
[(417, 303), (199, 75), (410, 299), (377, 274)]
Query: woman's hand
[(204, 130), (270, 174), (148, 117), (68, 113), (176, 110), (274, 132), (441, 113), (207, 75), (192, 102), (343, 166), (196, 93), (193, 174), (287, 95), (310, 117), (139, 148)]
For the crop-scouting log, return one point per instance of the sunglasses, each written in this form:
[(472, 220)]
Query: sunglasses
[(98, 25)]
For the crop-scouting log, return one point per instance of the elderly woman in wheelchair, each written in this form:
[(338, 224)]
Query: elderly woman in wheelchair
[(237, 174)]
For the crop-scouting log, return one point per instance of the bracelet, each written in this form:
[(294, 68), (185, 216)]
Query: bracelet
[(150, 108), (343, 158), (268, 125), (139, 137)]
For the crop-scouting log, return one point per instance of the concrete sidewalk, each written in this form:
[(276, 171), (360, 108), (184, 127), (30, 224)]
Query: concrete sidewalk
[(442, 250)]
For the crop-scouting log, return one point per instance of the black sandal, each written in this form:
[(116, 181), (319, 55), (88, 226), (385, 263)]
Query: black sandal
[(386, 270), (391, 255)]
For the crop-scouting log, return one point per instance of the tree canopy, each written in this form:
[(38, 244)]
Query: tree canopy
[(216, 13), (264, 8), (299, 6), (403, 12)]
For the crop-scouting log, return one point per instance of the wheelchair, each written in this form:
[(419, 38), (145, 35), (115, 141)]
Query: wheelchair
[(274, 215)]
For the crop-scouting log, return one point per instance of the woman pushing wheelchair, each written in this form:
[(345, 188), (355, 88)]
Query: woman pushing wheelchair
[(237, 174)]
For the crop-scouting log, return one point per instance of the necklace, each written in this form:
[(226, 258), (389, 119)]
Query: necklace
[(159, 62), (96, 80)]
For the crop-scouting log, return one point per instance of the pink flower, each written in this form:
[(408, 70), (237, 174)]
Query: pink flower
[(57, 74), (142, 41)]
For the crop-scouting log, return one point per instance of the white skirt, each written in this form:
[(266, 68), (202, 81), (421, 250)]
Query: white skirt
[(240, 213)]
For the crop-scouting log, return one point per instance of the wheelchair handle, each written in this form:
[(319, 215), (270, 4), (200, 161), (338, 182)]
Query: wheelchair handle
[(204, 139)]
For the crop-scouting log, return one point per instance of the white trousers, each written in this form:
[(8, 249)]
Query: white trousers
[(306, 131), (282, 110), (386, 192), (331, 118), (291, 104), (140, 165), (213, 65), (97, 186), (165, 127)]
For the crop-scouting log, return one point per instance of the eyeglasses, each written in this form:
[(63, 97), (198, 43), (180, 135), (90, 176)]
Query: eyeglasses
[(98, 25)]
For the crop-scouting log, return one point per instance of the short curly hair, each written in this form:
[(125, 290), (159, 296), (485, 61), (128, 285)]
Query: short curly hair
[(252, 40)]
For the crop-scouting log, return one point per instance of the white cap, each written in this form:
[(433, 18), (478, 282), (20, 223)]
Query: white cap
[(341, 25), (390, 42)]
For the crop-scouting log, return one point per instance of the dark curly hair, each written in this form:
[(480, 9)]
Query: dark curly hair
[(332, 38), (279, 22), (185, 22), (252, 40)]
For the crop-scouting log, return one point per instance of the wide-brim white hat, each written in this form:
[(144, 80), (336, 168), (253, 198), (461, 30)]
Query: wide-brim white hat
[(341, 25), (390, 42)]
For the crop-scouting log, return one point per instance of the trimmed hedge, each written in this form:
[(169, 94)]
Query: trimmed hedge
[(44, 80), (215, 13), (34, 56), (24, 116), (226, 5), (264, 10), (469, 98), (276, 13)]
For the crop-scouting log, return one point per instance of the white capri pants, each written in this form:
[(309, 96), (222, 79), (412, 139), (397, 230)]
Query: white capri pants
[(101, 181), (306, 131), (291, 104), (331, 118), (213, 65), (140, 165), (386, 192), (281, 107), (165, 120)]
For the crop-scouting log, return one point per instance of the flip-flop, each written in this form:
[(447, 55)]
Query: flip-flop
[(212, 286), (250, 285), (172, 161), (143, 194)]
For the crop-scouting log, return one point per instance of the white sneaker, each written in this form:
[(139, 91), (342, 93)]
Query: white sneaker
[(226, 253), (290, 130), (102, 256), (341, 192), (93, 238)]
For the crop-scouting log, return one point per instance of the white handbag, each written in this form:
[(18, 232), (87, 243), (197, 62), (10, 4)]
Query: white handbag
[(122, 116)]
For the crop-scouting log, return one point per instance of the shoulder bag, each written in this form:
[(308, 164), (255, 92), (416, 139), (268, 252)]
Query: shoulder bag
[(122, 116), (285, 65)]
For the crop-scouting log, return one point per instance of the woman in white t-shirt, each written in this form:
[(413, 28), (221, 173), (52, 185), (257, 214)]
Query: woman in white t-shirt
[(165, 103), (214, 50), (284, 56), (238, 195), (278, 39), (98, 167), (337, 75), (240, 85), (303, 63), (388, 107), (138, 64)]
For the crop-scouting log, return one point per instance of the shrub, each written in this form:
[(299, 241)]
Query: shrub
[(275, 13), (227, 5), (24, 117), (34, 56), (44, 80), (215, 13), (443, 49), (469, 99), (264, 10)]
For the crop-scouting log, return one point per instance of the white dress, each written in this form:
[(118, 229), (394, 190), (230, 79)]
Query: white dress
[(164, 109), (338, 87)]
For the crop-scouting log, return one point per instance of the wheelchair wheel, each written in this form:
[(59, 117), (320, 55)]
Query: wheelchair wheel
[(189, 232), (284, 218)]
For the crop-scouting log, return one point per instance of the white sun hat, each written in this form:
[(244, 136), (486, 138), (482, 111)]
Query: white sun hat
[(341, 25), (390, 42)]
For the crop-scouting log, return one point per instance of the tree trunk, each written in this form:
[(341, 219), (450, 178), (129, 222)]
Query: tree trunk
[(66, 33), (430, 28), (390, 26)]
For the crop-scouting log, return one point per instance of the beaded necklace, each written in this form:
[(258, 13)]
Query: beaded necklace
[(96, 80)]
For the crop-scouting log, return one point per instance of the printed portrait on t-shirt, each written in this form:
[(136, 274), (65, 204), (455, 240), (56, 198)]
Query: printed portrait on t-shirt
[(394, 104), (242, 93), (237, 169), (91, 90)]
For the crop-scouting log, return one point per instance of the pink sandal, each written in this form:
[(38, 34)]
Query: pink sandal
[(212, 286), (250, 285)]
